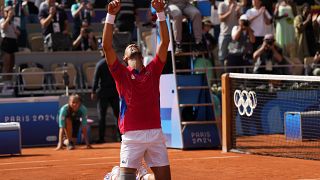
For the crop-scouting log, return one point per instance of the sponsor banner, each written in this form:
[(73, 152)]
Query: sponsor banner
[(38, 119)]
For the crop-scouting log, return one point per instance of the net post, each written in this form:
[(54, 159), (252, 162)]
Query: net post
[(226, 113)]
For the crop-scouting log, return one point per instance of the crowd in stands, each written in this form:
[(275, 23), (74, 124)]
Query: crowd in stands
[(256, 33)]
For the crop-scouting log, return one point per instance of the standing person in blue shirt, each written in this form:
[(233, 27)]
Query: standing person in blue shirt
[(69, 122), (104, 90)]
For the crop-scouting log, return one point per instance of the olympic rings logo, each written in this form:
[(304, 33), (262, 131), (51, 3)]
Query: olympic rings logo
[(245, 101)]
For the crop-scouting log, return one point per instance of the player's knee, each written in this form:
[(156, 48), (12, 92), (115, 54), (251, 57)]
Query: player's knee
[(127, 176)]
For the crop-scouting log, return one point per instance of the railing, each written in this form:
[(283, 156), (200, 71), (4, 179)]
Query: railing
[(47, 85), (50, 87)]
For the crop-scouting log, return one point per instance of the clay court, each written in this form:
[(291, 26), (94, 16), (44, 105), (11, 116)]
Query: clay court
[(46, 163)]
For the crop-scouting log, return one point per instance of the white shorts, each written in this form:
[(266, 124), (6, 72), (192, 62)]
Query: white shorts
[(143, 144)]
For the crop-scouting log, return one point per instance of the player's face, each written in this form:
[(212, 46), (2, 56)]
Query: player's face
[(133, 53), (74, 104)]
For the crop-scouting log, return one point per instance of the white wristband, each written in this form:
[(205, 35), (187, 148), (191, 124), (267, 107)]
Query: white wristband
[(161, 16), (110, 18)]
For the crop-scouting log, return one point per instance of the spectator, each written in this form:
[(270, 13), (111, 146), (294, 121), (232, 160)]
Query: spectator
[(178, 8), (81, 11), (229, 12), (305, 36), (104, 90), (86, 41), (126, 17), (245, 6), (37, 3), (9, 45), (215, 19), (138, 88), (316, 19), (241, 47), (54, 23), (20, 19), (33, 12), (315, 65), (267, 56), (69, 122), (53, 19), (259, 18), (285, 36), (300, 4), (208, 40)]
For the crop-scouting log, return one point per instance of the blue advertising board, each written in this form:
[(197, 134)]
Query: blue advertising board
[(37, 117), (201, 135)]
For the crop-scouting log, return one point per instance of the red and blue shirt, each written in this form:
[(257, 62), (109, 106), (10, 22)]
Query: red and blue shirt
[(139, 95)]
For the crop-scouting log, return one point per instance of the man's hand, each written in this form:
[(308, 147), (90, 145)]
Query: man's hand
[(89, 6), (309, 18), (232, 6), (158, 5), (82, 5), (10, 14), (52, 10), (114, 7), (262, 10), (265, 45)]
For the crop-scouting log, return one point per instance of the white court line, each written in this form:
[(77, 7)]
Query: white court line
[(100, 158), (45, 161), (310, 179), (28, 162), (15, 169), (215, 157), (91, 164), (115, 162)]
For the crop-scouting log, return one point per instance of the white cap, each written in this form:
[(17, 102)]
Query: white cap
[(244, 17), (268, 37), (318, 20)]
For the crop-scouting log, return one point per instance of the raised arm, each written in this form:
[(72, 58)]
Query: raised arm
[(110, 54), (162, 48)]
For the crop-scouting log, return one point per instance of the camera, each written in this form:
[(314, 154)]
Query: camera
[(246, 23), (269, 41), (86, 30)]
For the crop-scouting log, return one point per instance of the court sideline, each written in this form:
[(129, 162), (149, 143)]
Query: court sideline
[(92, 164)]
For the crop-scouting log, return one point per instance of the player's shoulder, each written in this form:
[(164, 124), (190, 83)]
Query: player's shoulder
[(64, 108), (83, 109)]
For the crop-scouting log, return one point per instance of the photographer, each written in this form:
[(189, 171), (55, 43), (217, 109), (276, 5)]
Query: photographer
[(240, 49), (86, 41), (54, 24), (267, 56), (81, 11), (53, 19)]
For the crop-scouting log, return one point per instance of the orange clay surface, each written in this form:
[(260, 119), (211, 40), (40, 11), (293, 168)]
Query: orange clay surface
[(45, 163)]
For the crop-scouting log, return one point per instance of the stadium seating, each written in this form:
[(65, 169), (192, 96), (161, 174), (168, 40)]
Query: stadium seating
[(59, 82), (36, 42), (88, 71), (32, 78)]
